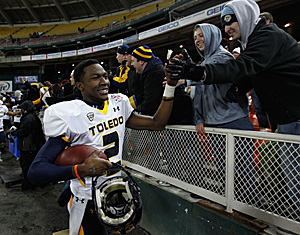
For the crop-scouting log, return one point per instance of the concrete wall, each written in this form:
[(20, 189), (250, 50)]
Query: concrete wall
[(171, 211)]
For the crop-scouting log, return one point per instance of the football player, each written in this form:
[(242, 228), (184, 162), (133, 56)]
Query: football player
[(98, 120)]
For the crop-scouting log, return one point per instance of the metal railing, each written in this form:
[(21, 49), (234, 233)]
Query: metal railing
[(252, 172)]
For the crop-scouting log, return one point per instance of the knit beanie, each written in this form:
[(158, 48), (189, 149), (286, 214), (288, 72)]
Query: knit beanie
[(227, 16), (143, 53), (122, 49)]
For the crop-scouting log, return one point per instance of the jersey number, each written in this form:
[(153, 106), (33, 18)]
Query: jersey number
[(111, 142)]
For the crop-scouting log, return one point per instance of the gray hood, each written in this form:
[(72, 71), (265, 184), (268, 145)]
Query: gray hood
[(210, 101), (247, 13), (212, 41)]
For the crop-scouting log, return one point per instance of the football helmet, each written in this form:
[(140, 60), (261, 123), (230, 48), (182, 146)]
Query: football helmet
[(118, 203)]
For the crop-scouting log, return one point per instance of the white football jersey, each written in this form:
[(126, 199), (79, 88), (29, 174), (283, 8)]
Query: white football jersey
[(83, 124), (3, 111), (17, 118)]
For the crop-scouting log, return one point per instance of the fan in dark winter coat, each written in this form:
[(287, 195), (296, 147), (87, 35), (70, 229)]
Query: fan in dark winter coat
[(30, 139)]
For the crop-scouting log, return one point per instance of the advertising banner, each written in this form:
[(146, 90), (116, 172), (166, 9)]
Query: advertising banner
[(30, 79), (69, 53), (54, 55), (5, 86), (100, 47), (85, 51)]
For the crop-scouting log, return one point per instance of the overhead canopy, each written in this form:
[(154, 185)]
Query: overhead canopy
[(16, 12)]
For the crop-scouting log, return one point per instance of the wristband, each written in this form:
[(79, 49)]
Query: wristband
[(169, 91), (167, 99), (76, 171)]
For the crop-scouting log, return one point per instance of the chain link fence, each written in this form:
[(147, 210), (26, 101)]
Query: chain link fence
[(252, 172)]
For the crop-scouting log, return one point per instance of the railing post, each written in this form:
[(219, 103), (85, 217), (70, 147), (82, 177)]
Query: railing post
[(229, 171)]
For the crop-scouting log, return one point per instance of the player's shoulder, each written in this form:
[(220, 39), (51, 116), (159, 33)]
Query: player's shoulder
[(67, 104), (67, 108)]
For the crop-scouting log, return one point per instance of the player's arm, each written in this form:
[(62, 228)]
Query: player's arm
[(44, 170), (10, 113), (161, 117)]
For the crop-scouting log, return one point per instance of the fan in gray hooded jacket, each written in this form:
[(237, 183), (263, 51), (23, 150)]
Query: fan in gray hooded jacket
[(210, 103)]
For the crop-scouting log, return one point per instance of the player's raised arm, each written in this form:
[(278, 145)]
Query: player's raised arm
[(161, 117)]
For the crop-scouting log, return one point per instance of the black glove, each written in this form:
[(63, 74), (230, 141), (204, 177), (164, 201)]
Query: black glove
[(232, 94), (185, 68), (176, 69)]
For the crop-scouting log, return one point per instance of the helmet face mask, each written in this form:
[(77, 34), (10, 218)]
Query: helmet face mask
[(118, 204)]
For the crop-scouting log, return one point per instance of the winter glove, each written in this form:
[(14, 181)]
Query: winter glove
[(185, 68)]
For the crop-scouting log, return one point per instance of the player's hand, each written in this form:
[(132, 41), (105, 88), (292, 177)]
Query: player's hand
[(170, 81), (180, 82), (179, 65), (182, 67), (200, 129), (94, 166), (176, 68)]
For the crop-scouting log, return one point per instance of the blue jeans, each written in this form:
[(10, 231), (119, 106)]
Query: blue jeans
[(239, 124), (290, 165)]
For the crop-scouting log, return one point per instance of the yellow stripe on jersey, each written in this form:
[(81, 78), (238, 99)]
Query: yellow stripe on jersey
[(65, 139), (81, 232), (82, 182), (104, 110), (133, 101), (71, 201)]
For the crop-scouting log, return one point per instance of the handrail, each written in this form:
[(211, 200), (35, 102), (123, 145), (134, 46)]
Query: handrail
[(248, 171)]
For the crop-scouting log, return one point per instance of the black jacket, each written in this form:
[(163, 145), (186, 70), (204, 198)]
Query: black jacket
[(134, 84), (151, 81), (271, 65), (183, 108), (33, 91), (30, 134)]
